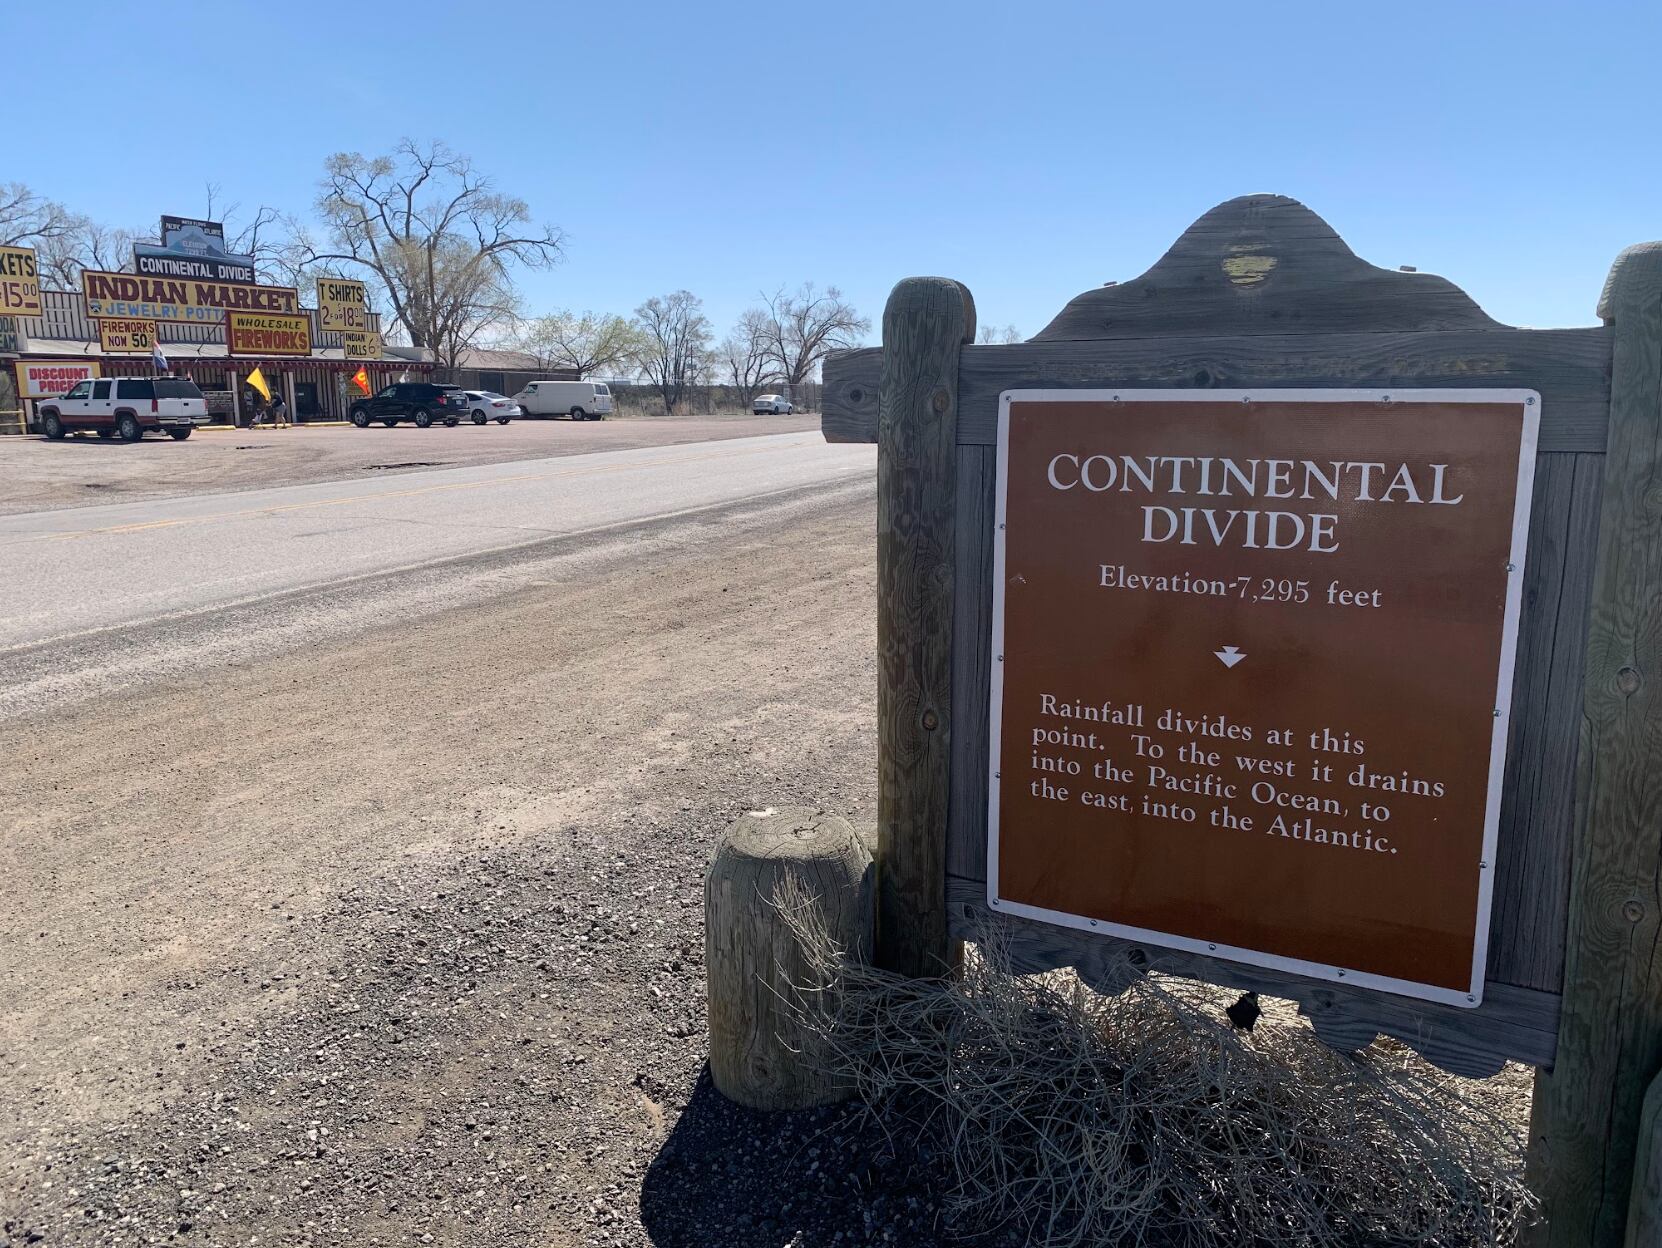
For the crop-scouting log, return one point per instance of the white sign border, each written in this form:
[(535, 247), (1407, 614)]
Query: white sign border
[(1470, 998)]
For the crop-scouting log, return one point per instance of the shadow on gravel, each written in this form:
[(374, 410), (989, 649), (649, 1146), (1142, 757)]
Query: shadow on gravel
[(729, 1177)]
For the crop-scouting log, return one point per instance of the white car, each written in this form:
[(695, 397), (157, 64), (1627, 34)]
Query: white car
[(488, 405), (772, 405)]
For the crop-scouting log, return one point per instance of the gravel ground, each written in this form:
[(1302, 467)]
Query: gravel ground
[(37, 475), (401, 943)]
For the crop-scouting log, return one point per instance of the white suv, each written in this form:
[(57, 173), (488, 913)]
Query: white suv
[(126, 406)]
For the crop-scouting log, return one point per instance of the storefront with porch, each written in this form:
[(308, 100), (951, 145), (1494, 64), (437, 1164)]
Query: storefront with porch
[(317, 387)]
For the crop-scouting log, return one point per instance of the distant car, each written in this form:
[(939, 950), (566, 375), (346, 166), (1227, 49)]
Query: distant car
[(127, 406), (489, 405), (422, 402), (772, 405), (581, 400)]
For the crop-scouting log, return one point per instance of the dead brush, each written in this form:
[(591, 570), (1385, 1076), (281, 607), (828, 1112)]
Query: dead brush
[(1076, 1118)]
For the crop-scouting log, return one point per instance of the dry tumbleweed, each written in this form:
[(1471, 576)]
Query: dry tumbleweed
[(1146, 1119)]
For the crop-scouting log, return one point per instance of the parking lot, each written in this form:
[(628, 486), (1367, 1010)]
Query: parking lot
[(83, 471)]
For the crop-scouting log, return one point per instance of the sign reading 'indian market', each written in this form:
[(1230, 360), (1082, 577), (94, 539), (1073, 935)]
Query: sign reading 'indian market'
[(124, 295)]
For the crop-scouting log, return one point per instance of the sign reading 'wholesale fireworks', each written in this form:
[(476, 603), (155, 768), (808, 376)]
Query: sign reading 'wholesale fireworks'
[(127, 296), (1253, 666), (259, 333)]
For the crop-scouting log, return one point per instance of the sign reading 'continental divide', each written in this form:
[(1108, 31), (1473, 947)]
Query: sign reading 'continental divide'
[(1253, 664)]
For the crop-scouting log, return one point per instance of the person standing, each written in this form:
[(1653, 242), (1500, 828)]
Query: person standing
[(279, 411)]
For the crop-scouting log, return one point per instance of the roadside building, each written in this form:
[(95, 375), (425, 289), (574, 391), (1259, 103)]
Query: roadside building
[(489, 368), (64, 341)]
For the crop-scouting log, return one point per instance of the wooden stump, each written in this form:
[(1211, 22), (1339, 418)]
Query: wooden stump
[(758, 1054)]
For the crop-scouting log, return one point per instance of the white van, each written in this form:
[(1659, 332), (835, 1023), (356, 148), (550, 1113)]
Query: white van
[(581, 400)]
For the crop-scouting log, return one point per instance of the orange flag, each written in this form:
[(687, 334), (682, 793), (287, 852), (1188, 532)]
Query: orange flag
[(361, 380)]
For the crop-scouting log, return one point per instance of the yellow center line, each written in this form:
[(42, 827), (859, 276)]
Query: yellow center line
[(279, 508)]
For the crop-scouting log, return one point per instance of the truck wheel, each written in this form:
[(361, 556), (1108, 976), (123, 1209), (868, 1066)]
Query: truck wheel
[(423, 418), (360, 418), (578, 414), (451, 422), (179, 435), (128, 427), (501, 420), (52, 427)]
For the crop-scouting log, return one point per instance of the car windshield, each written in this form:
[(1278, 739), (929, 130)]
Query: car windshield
[(490, 394), (176, 388)]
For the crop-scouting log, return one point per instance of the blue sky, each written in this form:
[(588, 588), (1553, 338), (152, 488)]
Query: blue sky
[(1030, 150)]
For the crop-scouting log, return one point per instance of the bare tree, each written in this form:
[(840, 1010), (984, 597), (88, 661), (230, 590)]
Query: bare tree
[(28, 220), (675, 344), (65, 242), (277, 242), (87, 245), (992, 334), (586, 342), (439, 240), (744, 356), (804, 327)]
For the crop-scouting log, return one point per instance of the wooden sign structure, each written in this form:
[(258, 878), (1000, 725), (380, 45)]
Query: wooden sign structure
[(1261, 307)]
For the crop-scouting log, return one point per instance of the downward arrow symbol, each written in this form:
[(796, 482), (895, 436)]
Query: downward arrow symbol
[(1229, 656)]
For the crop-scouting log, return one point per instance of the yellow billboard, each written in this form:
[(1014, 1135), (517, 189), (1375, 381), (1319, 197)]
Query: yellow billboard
[(342, 305), (19, 282), (126, 296), (126, 335), (256, 333), (362, 346)]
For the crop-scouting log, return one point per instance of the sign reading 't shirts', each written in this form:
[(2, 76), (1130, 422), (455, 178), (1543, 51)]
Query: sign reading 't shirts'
[(1254, 662)]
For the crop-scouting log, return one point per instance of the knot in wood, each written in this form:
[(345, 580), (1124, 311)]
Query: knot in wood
[(1628, 681), (940, 401), (1633, 911), (931, 721)]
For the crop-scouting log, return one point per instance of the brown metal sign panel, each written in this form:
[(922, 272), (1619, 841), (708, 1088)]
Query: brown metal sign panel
[(1253, 660)]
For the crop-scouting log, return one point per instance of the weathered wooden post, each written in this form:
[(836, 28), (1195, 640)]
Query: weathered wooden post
[(1588, 1109), (760, 1053), (1644, 1218), (926, 323)]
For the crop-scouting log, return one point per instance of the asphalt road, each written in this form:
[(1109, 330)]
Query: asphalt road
[(74, 574)]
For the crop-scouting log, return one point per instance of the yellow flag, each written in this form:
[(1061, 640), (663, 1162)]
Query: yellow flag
[(257, 380)]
